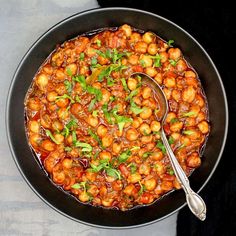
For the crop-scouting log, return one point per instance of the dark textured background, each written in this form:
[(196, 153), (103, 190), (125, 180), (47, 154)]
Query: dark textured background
[(214, 29)]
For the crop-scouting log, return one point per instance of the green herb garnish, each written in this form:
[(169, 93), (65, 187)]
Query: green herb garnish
[(171, 140), (81, 56), (134, 108), (64, 97), (123, 81), (173, 62), (132, 94), (170, 42), (188, 132), (174, 120), (99, 43), (189, 114), (81, 79), (49, 134), (142, 188), (124, 156), (157, 60), (68, 71), (85, 146), (106, 113), (161, 146), (94, 136)]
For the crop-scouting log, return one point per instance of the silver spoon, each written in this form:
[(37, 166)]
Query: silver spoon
[(195, 202)]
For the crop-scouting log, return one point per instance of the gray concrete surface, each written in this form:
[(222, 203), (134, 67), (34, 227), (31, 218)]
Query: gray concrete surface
[(21, 211)]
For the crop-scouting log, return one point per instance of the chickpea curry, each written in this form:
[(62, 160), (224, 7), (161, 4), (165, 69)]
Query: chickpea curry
[(95, 128)]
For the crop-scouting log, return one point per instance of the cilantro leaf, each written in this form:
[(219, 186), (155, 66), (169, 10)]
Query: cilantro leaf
[(49, 134), (124, 156)]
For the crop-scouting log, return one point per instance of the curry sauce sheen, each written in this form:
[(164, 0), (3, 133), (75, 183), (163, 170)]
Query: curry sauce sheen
[(96, 128)]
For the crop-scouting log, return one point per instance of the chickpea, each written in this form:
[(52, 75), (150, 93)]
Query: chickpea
[(93, 121), (103, 191), (169, 82), (132, 134), (107, 202), (104, 155), (133, 59), (185, 141), (201, 116), (129, 189), (199, 101), (176, 94), (146, 113), (127, 30), (146, 60), (58, 177), (137, 100), (52, 96), (176, 184), (34, 126), (57, 125), (146, 92), (164, 57), (175, 136), (204, 127), (41, 81), (167, 93), (146, 198), (137, 121), (170, 116), (61, 89), (71, 68), (188, 95), (181, 66), (148, 37), (117, 185), (48, 69), (190, 73), (174, 53), (101, 130), (132, 83), (135, 37), (152, 49), (107, 141), (91, 176), (105, 96), (150, 184), (151, 71), (116, 148), (35, 140), (93, 190), (146, 139), (145, 129), (144, 169), (193, 160), (134, 178), (176, 127), (59, 138), (62, 102), (141, 47), (156, 156), (159, 167), (59, 75), (48, 145), (67, 163), (91, 52), (63, 113), (166, 185), (84, 197), (158, 78), (155, 126), (34, 104), (45, 121)]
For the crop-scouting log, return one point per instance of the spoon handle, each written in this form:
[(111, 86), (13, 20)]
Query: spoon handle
[(195, 202)]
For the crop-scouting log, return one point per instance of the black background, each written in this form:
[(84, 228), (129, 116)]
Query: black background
[(213, 27)]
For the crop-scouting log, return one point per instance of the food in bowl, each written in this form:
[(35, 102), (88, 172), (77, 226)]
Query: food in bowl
[(95, 127)]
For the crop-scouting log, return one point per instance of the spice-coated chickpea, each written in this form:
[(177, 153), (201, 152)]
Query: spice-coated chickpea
[(141, 47), (34, 104), (181, 65), (105, 155), (145, 129), (174, 53), (151, 71), (176, 94), (35, 140), (137, 121), (58, 177), (135, 37), (169, 82), (167, 93), (63, 113), (193, 160), (133, 59), (67, 163), (84, 197), (156, 156), (57, 125), (148, 37), (105, 96), (93, 121), (144, 169), (42, 81), (59, 138), (152, 49), (155, 126), (146, 139), (146, 60), (146, 92), (116, 148), (158, 78), (132, 83), (62, 102), (71, 69), (60, 75), (101, 130), (127, 29), (132, 134), (34, 126), (176, 127), (48, 145), (107, 202), (204, 127), (134, 178), (52, 96), (129, 189), (107, 141), (146, 113), (170, 116), (150, 184), (164, 57)]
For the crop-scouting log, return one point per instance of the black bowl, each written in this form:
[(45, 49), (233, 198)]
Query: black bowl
[(88, 21)]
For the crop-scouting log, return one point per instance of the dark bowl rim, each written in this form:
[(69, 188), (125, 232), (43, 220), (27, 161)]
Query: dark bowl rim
[(9, 96)]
